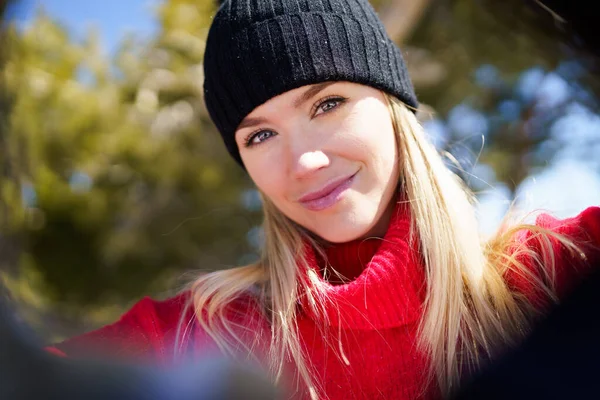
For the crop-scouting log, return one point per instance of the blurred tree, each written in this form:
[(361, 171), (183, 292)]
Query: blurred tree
[(483, 109), (125, 181), (11, 212)]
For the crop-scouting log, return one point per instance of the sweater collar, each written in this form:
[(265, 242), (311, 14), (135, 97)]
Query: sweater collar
[(387, 282)]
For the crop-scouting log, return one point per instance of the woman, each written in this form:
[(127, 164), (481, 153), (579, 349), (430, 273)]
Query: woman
[(373, 281)]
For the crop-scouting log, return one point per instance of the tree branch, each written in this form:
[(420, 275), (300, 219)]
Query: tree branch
[(400, 17)]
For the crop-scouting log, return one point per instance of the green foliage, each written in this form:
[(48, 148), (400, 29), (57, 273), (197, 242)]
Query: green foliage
[(504, 40), (129, 184)]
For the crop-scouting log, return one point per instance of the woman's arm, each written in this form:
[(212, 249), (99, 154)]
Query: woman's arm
[(570, 266), (143, 332)]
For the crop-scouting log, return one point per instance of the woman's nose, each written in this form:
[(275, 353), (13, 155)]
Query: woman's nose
[(309, 162)]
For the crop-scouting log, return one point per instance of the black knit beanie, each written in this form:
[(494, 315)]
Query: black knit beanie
[(258, 49)]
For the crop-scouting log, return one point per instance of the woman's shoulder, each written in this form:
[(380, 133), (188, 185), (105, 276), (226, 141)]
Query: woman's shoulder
[(571, 264), (139, 332), (149, 330), (583, 226), (582, 230)]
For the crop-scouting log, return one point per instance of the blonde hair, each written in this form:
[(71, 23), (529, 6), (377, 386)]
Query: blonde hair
[(470, 311)]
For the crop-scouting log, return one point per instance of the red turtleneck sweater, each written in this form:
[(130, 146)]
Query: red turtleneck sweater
[(379, 311)]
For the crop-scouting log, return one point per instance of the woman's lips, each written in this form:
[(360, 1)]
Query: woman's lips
[(328, 195)]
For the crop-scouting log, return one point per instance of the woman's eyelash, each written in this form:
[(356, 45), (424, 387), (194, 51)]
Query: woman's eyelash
[(252, 135), (315, 108), (327, 99)]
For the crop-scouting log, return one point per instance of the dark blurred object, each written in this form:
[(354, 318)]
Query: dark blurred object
[(579, 21), (28, 373), (558, 361), (3, 5)]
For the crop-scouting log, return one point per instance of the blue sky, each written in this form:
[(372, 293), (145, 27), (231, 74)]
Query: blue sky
[(567, 186), (113, 18)]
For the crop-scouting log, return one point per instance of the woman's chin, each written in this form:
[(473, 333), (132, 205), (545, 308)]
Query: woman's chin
[(341, 231)]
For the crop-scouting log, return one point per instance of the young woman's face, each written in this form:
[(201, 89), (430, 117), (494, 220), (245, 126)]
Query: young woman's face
[(325, 155)]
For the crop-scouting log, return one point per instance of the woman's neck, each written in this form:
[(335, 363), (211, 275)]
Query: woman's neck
[(346, 261), (380, 282)]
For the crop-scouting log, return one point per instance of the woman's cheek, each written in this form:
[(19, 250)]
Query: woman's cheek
[(269, 177)]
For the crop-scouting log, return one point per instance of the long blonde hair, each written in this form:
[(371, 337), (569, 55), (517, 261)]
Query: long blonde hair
[(470, 311)]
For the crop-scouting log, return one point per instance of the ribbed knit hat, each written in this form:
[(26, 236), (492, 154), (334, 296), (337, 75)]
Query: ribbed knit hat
[(258, 49)]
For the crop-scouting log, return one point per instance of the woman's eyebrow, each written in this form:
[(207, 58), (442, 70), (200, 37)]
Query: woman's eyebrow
[(247, 122), (303, 98), (311, 92)]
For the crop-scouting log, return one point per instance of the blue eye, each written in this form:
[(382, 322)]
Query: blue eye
[(323, 106), (258, 137), (328, 104)]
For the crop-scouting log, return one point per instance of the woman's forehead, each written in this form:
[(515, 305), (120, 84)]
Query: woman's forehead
[(293, 99), (297, 97)]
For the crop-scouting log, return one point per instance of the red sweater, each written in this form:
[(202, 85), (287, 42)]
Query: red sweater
[(380, 310)]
